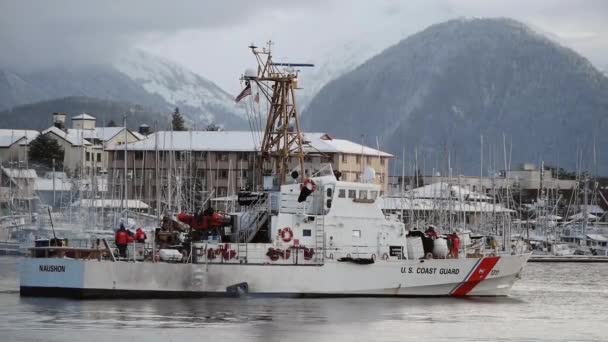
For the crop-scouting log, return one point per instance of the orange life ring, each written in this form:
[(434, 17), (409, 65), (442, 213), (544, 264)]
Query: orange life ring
[(286, 234), (310, 184)]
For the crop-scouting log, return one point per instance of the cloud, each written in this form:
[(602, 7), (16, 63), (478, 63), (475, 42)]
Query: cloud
[(337, 27), (210, 37), (41, 33)]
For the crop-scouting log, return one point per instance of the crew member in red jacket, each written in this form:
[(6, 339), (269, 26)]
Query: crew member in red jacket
[(121, 238), (140, 236), (455, 245)]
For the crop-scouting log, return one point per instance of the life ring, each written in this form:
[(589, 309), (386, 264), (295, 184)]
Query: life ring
[(384, 256), (310, 184), (286, 234), (272, 254)]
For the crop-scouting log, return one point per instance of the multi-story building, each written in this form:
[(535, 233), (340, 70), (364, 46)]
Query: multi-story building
[(194, 164), (13, 144), (84, 145), (526, 178)]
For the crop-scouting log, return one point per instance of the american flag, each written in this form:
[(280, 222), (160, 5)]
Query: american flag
[(246, 92)]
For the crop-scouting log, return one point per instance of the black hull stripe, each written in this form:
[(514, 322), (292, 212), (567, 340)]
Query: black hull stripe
[(75, 293)]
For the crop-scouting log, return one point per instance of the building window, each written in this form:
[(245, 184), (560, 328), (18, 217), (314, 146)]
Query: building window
[(88, 156), (200, 173), (243, 156), (99, 157), (368, 160), (222, 191), (139, 155), (382, 161), (223, 174), (356, 233), (221, 156), (342, 193), (306, 232), (352, 193), (358, 159), (345, 158)]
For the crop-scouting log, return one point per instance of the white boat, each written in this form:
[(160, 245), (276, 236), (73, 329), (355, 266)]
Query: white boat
[(336, 243), (318, 236)]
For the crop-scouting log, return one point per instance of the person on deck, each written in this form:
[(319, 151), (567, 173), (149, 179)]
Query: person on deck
[(121, 238), (455, 248), (140, 235)]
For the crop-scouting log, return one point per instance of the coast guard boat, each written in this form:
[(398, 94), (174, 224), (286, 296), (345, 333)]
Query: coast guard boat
[(314, 235)]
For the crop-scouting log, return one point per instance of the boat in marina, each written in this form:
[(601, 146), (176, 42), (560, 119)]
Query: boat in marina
[(304, 235)]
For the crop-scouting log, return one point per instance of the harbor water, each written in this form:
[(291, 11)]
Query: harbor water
[(553, 302)]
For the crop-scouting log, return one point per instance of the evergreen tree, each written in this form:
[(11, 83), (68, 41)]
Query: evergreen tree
[(178, 121), (44, 149)]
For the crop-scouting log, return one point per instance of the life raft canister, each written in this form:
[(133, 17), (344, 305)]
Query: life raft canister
[(286, 234)]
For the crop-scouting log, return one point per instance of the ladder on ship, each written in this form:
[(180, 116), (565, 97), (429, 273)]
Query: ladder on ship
[(250, 224), (319, 256)]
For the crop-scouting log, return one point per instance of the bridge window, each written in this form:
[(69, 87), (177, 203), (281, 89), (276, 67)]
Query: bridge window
[(329, 192), (341, 193), (357, 233), (352, 193), (373, 194), (362, 194), (306, 232)]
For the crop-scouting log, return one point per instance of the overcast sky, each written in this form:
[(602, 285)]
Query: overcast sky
[(211, 37)]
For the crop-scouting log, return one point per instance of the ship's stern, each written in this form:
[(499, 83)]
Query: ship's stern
[(51, 277)]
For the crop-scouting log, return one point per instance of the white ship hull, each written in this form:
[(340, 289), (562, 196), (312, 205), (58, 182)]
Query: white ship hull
[(488, 276)]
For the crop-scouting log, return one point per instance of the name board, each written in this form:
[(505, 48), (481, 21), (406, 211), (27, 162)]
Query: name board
[(248, 198), (396, 251), (51, 268)]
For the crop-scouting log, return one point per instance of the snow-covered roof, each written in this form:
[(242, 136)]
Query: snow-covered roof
[(110, 203), (45, 184), (592, 208), (138, 135), (442, 190), (83, 116), (550, 217), (99, 133), (75, 140), (325, 143), (10, 136), (20, 173), (422, 204), (597, 237), (581, 216), (238, 141)]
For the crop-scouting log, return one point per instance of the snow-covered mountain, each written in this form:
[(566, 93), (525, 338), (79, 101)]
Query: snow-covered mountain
[(137, 78), (442, 88), (202, 99)]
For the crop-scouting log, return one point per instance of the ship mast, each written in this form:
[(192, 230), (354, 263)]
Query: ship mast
[(283, 139)]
